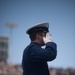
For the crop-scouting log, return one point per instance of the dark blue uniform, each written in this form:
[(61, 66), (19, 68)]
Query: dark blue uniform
[(35, 58)]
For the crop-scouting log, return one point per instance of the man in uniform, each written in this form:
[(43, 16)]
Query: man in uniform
[(35, 58)]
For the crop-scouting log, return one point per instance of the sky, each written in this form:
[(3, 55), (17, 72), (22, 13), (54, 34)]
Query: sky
[(60, 14)]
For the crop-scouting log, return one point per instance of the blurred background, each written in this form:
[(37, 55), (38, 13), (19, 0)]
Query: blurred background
[(16, 16)]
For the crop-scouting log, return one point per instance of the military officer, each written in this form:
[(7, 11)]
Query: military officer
[(35, 58)]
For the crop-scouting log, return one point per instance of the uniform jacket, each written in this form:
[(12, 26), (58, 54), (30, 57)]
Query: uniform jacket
[(35, 58)]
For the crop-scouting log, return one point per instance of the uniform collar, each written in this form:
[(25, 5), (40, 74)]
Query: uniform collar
[(32, 42)]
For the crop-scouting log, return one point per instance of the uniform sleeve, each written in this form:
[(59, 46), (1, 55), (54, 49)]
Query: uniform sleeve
[(39, 54)]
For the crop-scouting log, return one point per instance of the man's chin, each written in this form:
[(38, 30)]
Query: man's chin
[(43, 44)]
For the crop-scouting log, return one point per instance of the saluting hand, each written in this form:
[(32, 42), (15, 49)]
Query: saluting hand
[(48, 38)]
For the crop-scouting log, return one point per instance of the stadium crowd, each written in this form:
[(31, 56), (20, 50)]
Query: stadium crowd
[(11, 69)]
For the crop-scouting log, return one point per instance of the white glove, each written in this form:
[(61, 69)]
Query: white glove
[(48, 38)]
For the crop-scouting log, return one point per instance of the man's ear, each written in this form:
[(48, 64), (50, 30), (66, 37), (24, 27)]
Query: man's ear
[(37, 36)]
